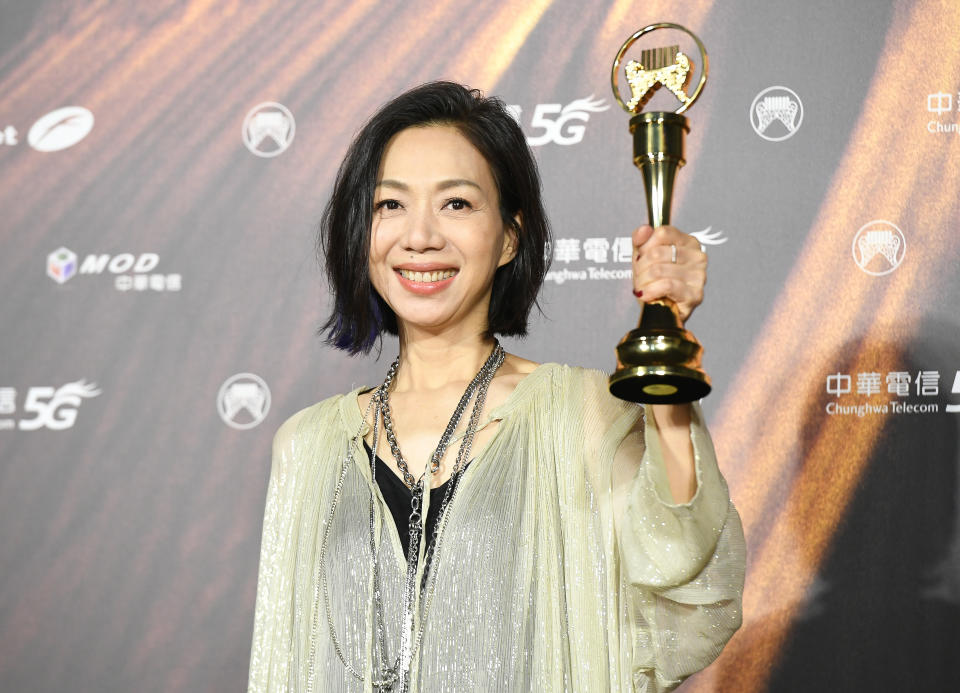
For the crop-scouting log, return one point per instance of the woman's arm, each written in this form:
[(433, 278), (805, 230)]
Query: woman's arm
[(660, 272), (673, 423), (681, 548)]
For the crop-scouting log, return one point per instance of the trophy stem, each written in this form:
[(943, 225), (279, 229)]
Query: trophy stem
[(658, 151)]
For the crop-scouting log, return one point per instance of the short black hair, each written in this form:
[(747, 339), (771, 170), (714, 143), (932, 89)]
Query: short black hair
[(359, 314)]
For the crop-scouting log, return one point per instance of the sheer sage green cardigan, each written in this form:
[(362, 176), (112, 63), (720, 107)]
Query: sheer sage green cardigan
[(564, 564)]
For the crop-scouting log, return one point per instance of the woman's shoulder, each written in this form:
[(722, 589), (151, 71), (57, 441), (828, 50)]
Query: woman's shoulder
[(561, 383), (588, 389), (572, 403), (518, 365), (566, 374), (322, 413)]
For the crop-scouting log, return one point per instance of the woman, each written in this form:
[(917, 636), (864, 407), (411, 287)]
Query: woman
[(518, 528)]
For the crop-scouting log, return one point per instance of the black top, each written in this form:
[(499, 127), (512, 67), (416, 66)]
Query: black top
[(397, 496)]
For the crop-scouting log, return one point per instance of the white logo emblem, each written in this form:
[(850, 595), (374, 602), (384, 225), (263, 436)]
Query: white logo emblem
[(553, 130), (879, 247), (61, 264), (8, 136), (268, 129), (131, 272), (47, 402), (709, 237), (776, 105), (60, 129), (955, 408), (243, 392), (940, 103)]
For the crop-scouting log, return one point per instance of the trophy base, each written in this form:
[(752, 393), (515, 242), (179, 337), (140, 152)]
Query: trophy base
[(659, 384), (659, 361)]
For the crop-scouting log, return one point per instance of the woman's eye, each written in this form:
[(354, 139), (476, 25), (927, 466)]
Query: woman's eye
[(458, 204), (388, 205)]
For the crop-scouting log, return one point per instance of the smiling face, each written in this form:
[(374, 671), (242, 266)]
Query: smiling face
[(437, 237)]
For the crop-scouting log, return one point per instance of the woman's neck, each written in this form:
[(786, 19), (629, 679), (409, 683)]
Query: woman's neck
[(433, 362)]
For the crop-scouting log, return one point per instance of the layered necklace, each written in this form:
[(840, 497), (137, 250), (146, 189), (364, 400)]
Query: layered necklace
[(396, 673)]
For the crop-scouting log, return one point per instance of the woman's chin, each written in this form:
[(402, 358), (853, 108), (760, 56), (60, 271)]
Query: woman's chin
[(422, 324), (436, 324)]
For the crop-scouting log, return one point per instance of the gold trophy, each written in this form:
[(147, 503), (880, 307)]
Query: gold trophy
[(659, 361)]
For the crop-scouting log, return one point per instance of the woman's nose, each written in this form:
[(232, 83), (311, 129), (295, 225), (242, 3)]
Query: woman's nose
[(422, 232)]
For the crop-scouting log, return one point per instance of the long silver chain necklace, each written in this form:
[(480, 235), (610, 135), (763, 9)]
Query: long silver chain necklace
[(397, 672)]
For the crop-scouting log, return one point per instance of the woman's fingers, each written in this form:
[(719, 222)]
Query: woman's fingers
[(641, 235), (669, 264)]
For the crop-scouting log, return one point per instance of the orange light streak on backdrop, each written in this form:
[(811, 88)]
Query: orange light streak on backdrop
[(187, 69), (353, 54), (791, 492)]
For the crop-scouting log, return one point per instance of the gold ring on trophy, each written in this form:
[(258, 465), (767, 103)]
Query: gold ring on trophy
[(685, 101)]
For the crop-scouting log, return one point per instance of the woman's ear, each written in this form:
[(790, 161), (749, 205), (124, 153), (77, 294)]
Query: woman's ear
[(510, 241)]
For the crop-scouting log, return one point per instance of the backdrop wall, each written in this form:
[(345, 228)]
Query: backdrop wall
[(162, 169)]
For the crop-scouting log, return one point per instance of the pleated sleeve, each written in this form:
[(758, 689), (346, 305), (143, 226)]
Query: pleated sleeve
[(270, 654), (680, 566)]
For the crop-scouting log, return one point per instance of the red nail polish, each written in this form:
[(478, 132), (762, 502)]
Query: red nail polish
[(637, 293)]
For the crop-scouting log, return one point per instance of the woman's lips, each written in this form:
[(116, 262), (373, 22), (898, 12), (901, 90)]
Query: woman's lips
[(425, 281)]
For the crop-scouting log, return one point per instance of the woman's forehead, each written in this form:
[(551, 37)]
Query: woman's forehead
[(433, 155)]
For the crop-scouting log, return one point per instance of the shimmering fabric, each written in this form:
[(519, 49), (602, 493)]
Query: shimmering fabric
[(564, 565)]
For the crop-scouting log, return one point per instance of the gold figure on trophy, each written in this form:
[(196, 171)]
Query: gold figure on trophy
[(659, 361), (667, 66)]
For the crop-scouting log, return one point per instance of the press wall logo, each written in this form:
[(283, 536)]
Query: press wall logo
[(9, 136), (52, 408), (879, 247), (856, 394), (131, 272), (57, 130), (60, 129), (776, 113), (243, 400), (560, 124), (709, 237), (941, 104), (268, 129), (61, 264), (609, 258)]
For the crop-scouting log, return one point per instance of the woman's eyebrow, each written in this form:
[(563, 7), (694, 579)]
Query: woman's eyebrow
[(442, 185), (390, 183), (456, 182)]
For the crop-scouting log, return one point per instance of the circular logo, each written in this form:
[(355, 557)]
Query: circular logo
[(776, 113), (268, 129), (879, 247), (60, 129), (243, 401)]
